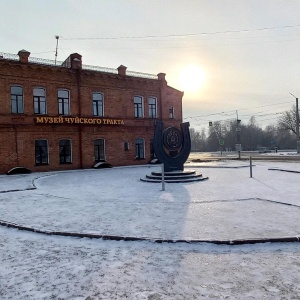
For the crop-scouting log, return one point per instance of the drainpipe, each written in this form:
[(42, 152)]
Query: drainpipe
[(16, 142), (76, 64), (162, 79), (78, 71)]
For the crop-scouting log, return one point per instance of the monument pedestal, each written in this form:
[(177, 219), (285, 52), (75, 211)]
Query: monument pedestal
[(175, 176), (172, 148)]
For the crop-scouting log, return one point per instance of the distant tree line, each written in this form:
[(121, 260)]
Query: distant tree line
[(252, 137)]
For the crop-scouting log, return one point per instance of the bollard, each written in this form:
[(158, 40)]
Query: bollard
[(250, 167), (162, 177)]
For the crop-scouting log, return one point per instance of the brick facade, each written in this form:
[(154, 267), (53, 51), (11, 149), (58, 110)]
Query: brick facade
[(117, 126)]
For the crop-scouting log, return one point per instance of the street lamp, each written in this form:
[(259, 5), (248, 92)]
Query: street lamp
[(57, 37), (238, 146), (297, 123)]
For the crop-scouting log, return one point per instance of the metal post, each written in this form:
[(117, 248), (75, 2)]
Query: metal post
[(57, 37), (162, 177), (238, 133), (250, 167), (297, 123), (297, 126)]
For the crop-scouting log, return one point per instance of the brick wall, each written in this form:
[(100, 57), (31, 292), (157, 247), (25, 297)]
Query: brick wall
[(18, 132)]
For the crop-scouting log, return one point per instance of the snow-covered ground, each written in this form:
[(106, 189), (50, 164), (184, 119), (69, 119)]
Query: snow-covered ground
[(230, 205)]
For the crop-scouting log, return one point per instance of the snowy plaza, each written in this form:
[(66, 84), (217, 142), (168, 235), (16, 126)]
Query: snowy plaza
[(114, 202)]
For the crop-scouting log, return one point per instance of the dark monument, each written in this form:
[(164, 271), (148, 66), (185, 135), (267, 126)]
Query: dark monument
[(172, 148)]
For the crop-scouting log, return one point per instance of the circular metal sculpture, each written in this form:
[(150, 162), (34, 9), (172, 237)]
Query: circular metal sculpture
[(172, 139), (172, 146)]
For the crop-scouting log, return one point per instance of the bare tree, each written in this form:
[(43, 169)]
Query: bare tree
[(288, 120), (195, 136), (198, 140)]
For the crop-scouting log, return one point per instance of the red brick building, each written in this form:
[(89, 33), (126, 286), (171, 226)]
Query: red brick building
[(70, 116)]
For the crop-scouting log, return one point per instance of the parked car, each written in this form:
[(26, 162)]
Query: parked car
[(264, 150)]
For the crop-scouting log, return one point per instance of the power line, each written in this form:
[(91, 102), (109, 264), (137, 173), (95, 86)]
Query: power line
[(266, 105), (218, 113), (257, 115), (229, 111), (261, 113), (42, 52), (183, 35), (205, 123), (189, 46), (263, 120)]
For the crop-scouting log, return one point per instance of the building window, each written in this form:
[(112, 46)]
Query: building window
[(152, 153), (39, 101), (171, 112), (99, 150), (63, 97), (41, 152), (16, 93), (152, 107), (139, 148), (138, 107), (126, 146), (98, 104), (65, 152)]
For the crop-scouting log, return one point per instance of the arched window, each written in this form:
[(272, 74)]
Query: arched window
[(152, 103), (98, 105), (65, 151), (41, 152), (63, 97), (138, 107), (16, 94), (152, 153), (139, 148), (171, 112), (99, 149), (39, 100)]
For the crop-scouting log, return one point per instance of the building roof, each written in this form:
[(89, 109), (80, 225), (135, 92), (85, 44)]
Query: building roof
[(48, 62)]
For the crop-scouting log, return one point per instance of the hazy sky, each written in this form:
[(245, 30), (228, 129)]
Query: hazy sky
[(248, 51)]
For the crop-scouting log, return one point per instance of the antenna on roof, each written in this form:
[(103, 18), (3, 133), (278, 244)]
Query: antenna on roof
[(57, 37)]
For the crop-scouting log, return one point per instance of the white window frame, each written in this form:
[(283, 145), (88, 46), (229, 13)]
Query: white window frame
[(17, 112), (42, 163), (40, 88), (142, 106), (104, 154), (69, 102), (102, 94), (138, 156), (71, 151), (171, 112), (150, 110)]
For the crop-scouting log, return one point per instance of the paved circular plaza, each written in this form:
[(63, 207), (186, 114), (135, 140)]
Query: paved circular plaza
[(114, 202)]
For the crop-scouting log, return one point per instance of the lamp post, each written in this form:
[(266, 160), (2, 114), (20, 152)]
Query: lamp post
[(57, 37), (297, 123), (238, 145)]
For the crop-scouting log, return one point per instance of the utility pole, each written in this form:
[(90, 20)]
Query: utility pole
[(297, 123), (57, 37), (238, 145)]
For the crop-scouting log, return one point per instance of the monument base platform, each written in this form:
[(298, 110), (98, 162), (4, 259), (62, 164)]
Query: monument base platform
[(175, 176)]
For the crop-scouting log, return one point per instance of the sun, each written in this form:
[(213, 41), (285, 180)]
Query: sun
[(191, 79)]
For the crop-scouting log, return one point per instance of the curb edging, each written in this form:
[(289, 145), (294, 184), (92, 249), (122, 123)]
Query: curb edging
[(153, 240)]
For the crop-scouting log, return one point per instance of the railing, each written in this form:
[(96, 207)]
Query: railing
[(43, 61), (99, 69), (35, 60), (142, 75), (9, 56), (48, 62)]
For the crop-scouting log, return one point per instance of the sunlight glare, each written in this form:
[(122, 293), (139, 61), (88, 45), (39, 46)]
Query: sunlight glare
[(191, 79)]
